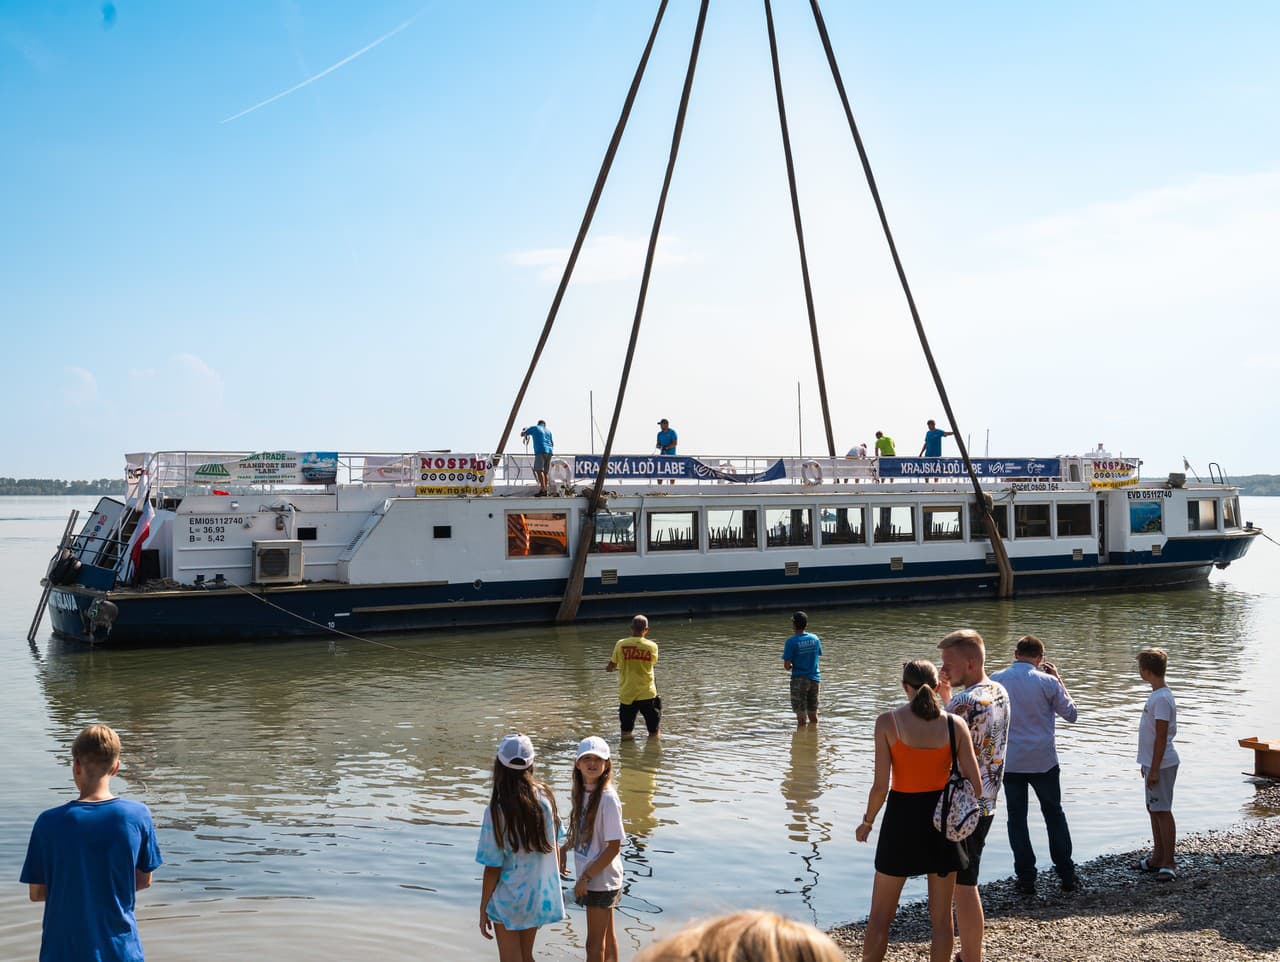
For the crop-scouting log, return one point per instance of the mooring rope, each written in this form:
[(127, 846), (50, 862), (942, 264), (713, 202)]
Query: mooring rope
[(382, 644)]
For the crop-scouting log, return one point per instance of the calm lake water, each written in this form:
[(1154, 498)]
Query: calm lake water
[(321, 799)]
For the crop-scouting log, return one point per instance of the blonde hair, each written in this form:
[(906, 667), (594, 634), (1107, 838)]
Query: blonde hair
[(968, 641), (1154, 660), (745, 937), (97, 748)]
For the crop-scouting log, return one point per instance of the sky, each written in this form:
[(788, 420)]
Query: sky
[(335, 226)]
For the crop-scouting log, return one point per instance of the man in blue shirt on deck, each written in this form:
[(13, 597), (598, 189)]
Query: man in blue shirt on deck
[(667, 438), (1037, 697), (542, 450), (932, 447), (800, 657)]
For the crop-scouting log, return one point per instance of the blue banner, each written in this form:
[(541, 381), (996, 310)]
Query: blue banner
[(663, 467), (983, 467)]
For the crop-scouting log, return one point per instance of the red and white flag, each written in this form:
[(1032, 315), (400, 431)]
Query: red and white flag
[(141, 535)]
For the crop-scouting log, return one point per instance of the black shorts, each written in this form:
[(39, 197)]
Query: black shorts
[(608, 899), (973, 846), (650, 708)]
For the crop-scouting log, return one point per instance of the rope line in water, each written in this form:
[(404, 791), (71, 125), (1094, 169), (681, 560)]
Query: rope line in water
[(382, 644)]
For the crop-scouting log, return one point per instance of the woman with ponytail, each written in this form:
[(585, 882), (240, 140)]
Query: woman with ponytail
[(913, 762)]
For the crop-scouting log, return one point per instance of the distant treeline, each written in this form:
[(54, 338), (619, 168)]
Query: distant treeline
[(30, 486), (1258, 484)]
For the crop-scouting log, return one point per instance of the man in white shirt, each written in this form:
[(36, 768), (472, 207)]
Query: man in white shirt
[(1159, 761)]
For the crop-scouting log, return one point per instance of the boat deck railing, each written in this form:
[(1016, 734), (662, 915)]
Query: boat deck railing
[(445, 472)]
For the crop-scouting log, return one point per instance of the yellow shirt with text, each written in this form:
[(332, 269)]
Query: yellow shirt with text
[(635, 658)]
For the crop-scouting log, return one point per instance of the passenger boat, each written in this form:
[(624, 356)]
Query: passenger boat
[(211, 546)]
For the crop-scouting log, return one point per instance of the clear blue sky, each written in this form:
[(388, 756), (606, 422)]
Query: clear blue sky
[(1086, 197)]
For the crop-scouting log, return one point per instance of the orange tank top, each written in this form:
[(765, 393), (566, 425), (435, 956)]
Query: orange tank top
[(918, 769)]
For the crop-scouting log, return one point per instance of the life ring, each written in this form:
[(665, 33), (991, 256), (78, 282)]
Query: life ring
[(558, 472), (811, 472)]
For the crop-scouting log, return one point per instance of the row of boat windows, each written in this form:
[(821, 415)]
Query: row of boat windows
[(617, 532), (546, 533)]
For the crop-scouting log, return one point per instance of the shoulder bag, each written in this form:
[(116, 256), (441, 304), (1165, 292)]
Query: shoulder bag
[(958, 809)]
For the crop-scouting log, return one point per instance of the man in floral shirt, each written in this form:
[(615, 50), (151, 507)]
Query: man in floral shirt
[(984, 705)]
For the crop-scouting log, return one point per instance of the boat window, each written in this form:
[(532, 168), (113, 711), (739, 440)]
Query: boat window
[(733, 528), (1202, 514), (788, 527), (615, 533), (537, 534), (673, 531), (978, 530), (442, 531), (1031, 520), (844, 525), (942, 523), (1075, 520), (894, 523), (1231, 512), (1146, 517), (309, 534)]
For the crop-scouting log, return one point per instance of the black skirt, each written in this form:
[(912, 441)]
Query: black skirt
[(909, 844)]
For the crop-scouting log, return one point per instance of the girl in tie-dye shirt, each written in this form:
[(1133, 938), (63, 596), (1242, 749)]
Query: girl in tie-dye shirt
[(520, 850)]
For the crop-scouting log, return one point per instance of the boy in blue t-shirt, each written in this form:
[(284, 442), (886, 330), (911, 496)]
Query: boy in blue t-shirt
[(800, 657), (87, 858)]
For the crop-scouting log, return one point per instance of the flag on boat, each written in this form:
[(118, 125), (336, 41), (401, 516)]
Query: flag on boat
[(141, 535)]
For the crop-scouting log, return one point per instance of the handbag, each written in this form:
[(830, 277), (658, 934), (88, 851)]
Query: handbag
[(959, 809)]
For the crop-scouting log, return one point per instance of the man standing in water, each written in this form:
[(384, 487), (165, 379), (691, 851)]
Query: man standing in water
[(633, 659), (800, 655), (984, 705)]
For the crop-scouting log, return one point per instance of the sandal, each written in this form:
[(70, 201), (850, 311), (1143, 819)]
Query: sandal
[(1144, 865), (1166, 875)]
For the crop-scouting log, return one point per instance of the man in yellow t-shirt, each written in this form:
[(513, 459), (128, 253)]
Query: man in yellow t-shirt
[(633, 659)]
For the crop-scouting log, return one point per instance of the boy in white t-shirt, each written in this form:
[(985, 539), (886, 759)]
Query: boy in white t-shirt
[(1159, 761)]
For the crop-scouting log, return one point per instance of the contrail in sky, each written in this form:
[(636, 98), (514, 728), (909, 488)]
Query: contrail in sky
[(328, 70)]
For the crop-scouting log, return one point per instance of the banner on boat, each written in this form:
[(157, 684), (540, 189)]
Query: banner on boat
[(453, 473), (271, 467), (663, 467), (1114, 473), (983, 467), (388, 468)]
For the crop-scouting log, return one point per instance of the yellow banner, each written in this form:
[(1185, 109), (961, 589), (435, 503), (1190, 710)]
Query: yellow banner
[(1124, 483), (464, 489)]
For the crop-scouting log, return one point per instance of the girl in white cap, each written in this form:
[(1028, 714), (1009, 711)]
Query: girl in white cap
[(595, 833), (520, 851)]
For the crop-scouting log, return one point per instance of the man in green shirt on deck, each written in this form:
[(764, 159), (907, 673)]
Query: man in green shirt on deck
[(884, 445)]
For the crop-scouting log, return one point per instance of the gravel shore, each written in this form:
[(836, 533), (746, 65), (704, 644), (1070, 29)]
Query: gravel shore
[(1225, 906)]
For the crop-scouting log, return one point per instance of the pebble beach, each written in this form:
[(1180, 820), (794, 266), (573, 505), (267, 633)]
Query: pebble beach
[(1223, 906)]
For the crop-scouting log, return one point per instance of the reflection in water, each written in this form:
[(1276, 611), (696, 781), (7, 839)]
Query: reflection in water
[(801, 788), (308, 781)]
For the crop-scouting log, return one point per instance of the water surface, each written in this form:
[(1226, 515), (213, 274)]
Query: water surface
[(321, 799)]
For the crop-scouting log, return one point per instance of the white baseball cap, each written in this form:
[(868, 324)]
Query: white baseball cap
[(594, 745), (516, 751)]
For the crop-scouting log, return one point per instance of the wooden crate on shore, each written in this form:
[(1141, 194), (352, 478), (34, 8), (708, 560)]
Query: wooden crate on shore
[(1266, 757)]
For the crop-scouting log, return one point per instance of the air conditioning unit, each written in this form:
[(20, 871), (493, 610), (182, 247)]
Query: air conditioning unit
[(277, 562)]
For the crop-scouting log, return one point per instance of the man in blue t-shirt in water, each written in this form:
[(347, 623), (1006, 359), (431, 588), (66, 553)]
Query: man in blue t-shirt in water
[(800, 657), (87, 858)]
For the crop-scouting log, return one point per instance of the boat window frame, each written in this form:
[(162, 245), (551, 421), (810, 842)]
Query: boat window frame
[(1199, 519), (928, 509), (863, 530), (1020, 506), (1057, 519), (915, 524), (593, 548), (506, 530), (733, 509), (650, 514), (789, 509), (1231, 513), (977, 532)]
